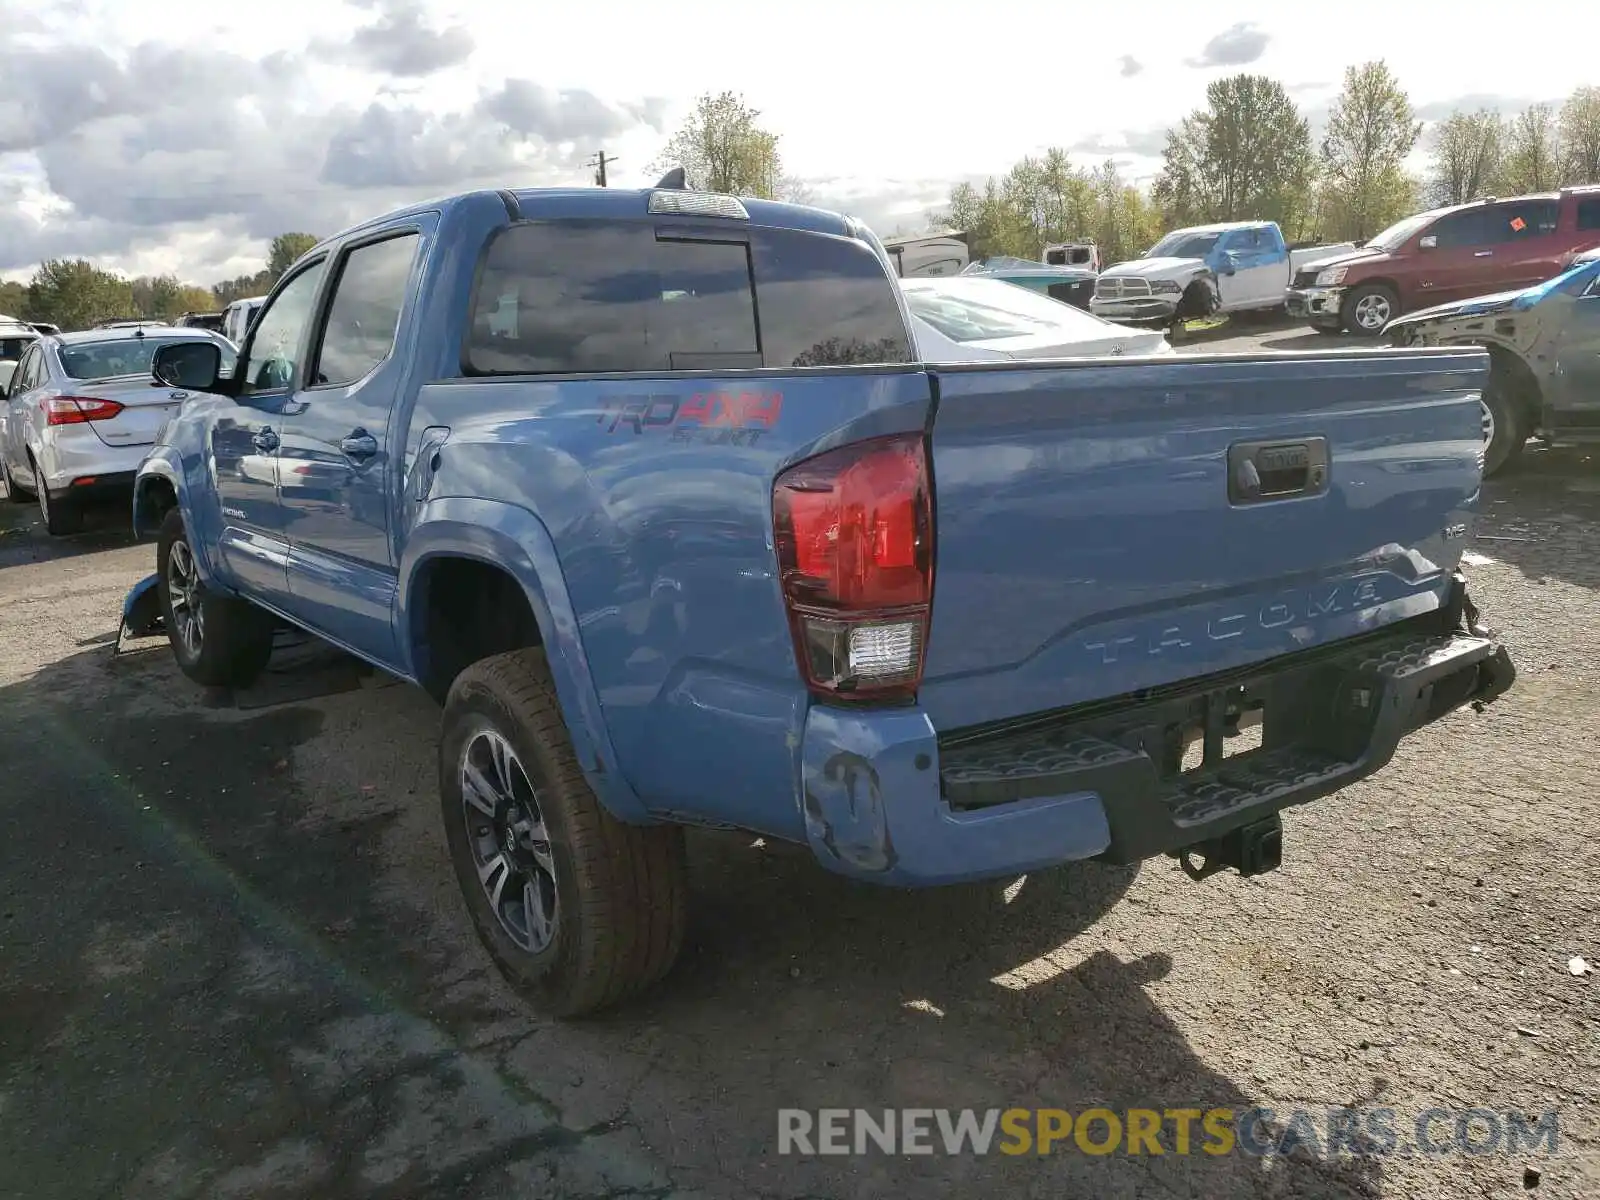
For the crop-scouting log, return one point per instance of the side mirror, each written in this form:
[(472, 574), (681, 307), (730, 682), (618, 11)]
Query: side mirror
[(1428, 242), (192, 365)]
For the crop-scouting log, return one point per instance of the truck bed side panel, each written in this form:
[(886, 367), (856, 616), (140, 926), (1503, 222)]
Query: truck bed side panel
[(657, 493)]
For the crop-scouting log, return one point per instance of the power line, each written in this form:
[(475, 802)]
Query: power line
[(599, 162)]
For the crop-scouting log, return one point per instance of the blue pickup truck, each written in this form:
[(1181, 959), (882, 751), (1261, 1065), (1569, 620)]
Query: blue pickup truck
[(1236, 266), (650, 490)]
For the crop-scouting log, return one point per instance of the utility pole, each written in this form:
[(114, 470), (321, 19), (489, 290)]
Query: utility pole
[(599, 162)]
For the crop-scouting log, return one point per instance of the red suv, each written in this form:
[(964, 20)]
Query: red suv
[(1448, 254)]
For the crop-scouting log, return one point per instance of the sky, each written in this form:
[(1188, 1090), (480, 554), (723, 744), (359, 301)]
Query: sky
[(179, 136)]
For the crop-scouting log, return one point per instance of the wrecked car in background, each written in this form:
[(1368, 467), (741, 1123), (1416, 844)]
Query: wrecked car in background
[(1448, 255), (1232, 267), (1544, 353)]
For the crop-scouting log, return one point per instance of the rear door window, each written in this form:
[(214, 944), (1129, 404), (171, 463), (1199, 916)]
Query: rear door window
[(26, 377), (1522, 220), (1589, 213)]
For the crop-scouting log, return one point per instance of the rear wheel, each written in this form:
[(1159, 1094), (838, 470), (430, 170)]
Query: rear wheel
[(1370, 307), (219, 641), (577, 909), (61, 515)]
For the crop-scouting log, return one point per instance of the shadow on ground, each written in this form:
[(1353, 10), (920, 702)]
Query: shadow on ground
[(234, 964), (1541, 514), (23, 538)]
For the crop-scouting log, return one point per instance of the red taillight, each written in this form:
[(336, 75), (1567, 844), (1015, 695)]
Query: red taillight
[(854, 533), (75, 410)]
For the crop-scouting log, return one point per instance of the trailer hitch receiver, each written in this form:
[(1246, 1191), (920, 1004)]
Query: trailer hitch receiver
[(1252, 849)]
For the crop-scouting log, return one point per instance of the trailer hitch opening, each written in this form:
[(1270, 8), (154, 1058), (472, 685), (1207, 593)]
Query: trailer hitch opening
[(1252, 849)]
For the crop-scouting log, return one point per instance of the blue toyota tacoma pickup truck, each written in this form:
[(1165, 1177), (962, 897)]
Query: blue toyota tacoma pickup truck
[(650, 490)]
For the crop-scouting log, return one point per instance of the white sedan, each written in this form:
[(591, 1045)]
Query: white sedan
[(964, 318)]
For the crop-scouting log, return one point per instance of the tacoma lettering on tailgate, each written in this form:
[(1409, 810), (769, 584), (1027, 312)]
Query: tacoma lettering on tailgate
[(1177, 634)]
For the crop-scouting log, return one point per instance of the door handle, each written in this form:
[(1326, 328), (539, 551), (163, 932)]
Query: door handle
[(265, 440), (1483, 254), (359, 444)]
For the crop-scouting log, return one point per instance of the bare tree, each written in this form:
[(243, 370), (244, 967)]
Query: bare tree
[(796, 190), (1580, 136)]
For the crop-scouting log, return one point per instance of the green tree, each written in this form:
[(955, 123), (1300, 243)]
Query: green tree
[(1045, 200), (1126, 223), (1468, 153), (156, 295), (237, 288), (13, 298), (1371, 130), (75, 294), (286, 249), (1579, 131), (1532, 160), (1246, 155), (723, 148)]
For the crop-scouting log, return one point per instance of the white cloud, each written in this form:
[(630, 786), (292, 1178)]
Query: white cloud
[(876, 116)]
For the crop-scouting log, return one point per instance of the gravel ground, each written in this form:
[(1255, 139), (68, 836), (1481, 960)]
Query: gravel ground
[(233, 962)]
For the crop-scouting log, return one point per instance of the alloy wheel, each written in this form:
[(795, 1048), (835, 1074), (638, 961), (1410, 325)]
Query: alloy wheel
[(1488, 422), (510, 844), (183, 588), (1372, 312)]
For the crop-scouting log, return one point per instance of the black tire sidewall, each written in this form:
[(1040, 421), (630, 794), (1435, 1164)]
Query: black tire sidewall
[(172, 531), (1509, 436), (237, 641), (474, 707)]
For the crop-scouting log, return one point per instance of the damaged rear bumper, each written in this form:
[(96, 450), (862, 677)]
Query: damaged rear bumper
[(888, 800)]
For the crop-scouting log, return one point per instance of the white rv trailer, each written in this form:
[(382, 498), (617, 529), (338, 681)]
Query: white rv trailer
[(922, 255)]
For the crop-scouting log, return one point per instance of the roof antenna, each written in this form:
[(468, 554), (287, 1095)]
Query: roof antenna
[(676, 180)]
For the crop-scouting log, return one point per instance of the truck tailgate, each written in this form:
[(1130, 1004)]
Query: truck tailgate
[(1103, 528)]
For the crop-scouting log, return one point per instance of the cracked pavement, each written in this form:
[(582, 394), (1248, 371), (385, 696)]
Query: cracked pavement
[(233, 961)]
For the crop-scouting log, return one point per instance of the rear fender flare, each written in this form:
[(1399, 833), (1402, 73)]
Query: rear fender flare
[(515, 540)]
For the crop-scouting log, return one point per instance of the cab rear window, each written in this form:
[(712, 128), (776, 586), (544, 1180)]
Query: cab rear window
[(586, 297)]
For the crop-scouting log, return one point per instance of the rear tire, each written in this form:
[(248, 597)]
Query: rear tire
[(1369, 308), (219, 641), (1504, 433), (61, 516), (577, 909)]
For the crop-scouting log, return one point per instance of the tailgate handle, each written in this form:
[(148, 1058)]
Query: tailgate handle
[(1277, 470)]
